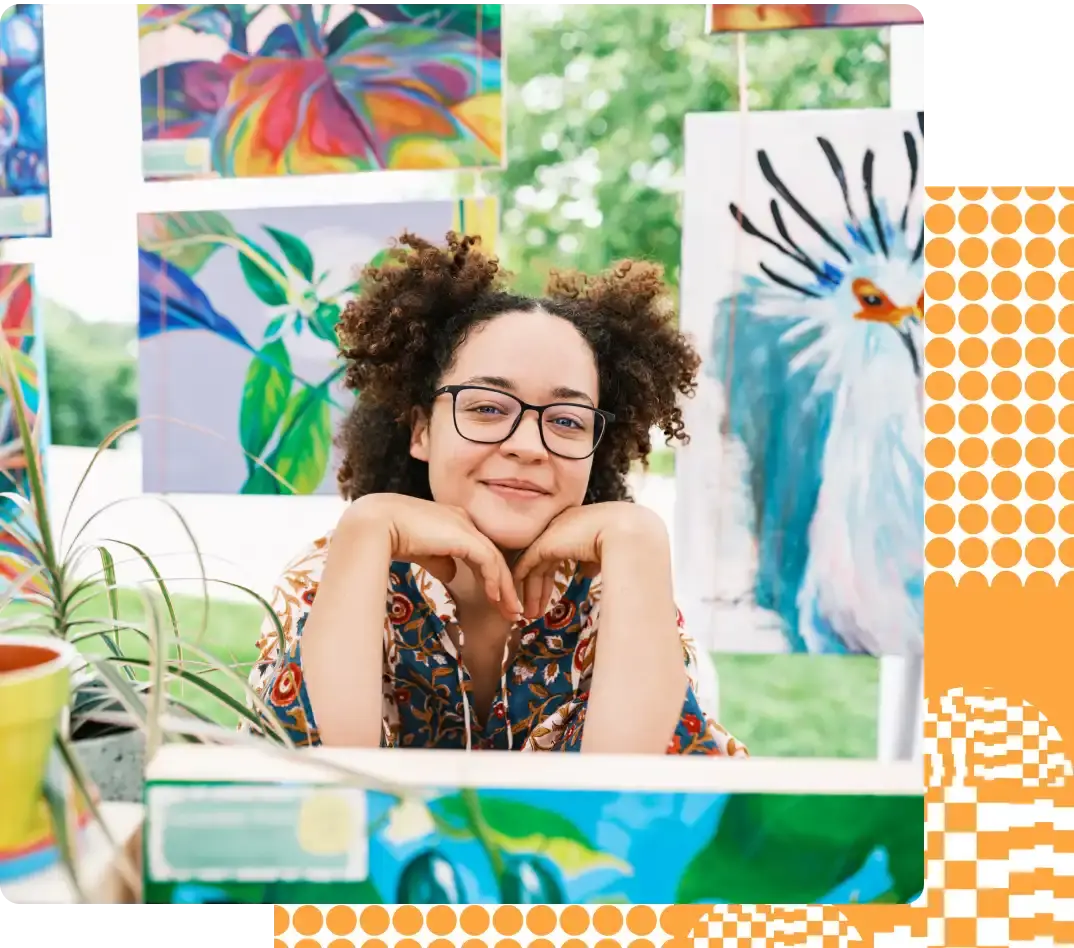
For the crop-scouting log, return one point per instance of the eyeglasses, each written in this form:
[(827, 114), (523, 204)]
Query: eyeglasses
[(489, 416)]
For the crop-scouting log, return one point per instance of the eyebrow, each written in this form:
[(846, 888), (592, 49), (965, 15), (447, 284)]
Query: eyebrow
[(497, 381)]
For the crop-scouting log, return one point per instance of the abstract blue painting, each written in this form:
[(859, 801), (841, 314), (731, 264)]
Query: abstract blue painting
[(24, 178), (803, 279)]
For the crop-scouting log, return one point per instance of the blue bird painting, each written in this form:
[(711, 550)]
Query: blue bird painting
[(818, 350)]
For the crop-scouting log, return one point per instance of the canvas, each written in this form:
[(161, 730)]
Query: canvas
[(24, 192), (237, 323), (544, 829), (741, 17), (801, 497), (239, 91), (18, 322)]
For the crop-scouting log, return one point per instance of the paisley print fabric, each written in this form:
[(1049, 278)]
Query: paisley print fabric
[(426, 688)]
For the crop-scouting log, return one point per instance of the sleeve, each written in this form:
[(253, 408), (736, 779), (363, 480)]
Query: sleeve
[(276, 677), (696, 733)]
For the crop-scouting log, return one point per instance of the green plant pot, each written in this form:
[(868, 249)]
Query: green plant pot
[(34, 682)]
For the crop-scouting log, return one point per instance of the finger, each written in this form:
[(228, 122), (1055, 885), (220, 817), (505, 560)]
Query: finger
[(487, 563), (548, 588), (532, 586)]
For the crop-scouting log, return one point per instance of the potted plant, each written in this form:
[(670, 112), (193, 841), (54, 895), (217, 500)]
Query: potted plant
[(120, 674)]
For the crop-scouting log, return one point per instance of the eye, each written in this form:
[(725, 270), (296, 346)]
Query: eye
[(871, 299)]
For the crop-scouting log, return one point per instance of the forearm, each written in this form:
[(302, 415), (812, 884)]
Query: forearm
[(343, 640), (639, 678)]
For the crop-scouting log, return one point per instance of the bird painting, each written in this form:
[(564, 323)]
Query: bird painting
[(817, 349)]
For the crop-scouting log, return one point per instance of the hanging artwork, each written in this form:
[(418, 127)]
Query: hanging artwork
[(742, 17), (802, 492), (24, 194), (17, 322), (237, 336), (241, 91)]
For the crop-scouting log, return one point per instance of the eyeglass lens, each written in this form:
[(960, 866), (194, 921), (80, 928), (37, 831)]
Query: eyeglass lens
[(488, 417)]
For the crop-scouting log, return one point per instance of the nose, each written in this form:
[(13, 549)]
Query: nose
[(526, 441)]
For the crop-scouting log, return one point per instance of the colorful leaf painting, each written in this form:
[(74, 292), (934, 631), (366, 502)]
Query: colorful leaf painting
[(551, 845), (319, 88), (246, 303), (20, 333), (24, 176), (741, 17)]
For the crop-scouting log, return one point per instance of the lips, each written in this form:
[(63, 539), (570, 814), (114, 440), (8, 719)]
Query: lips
[(515, 488)]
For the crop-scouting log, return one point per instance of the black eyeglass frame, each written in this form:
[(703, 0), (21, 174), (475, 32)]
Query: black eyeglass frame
[(453, 391)]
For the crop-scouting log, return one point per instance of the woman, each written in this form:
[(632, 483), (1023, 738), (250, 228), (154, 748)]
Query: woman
[(486, 463)]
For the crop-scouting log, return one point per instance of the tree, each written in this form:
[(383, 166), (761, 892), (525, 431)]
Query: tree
[(92, 376), (596, 101)]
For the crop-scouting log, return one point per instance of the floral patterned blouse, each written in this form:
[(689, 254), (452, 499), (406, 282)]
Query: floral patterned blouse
[(427, 700)]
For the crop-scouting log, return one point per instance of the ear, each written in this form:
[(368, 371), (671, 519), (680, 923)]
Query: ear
[(419, 435)]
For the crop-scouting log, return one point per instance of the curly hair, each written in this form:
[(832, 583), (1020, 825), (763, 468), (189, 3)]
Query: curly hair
[(400, 334)]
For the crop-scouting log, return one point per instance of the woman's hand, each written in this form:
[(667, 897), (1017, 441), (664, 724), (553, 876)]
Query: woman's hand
[(434, 536), (583, 534)]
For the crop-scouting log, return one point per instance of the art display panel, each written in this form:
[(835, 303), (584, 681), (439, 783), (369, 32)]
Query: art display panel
[(741, 17), (238, 353), (18, 322), (800, 507), (24, 173), (239, 91)]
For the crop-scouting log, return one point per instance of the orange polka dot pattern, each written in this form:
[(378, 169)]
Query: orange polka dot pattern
[(999, 423), (566, 926)]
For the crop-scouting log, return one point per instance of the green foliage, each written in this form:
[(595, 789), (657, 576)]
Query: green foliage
[(596, 100), (91, 376), (794, 849)]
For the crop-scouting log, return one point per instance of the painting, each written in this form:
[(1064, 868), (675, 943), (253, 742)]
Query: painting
[(23, 336), (802, 494), (241, 90), (240, 377), (741, 17), (24, 192), (234, 843)]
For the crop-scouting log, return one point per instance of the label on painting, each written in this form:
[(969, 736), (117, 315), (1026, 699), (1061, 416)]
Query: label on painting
[(255, 833), (177, 158), (24, 216)]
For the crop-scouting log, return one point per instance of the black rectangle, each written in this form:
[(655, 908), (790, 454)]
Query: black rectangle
[(997, 157)]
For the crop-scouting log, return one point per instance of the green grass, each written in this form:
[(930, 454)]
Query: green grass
[(801, 705), (779, 705), (230, 638)]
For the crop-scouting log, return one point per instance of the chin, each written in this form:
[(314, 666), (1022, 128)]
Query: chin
[(510, 533)]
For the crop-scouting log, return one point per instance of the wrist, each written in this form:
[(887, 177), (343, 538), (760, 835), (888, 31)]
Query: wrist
[(367, 525), (635, 528)]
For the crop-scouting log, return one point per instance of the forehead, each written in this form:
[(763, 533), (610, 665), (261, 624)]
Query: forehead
[(537, 351)]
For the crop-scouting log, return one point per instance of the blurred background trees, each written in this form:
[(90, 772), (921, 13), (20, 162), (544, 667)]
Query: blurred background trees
[(596, 97)]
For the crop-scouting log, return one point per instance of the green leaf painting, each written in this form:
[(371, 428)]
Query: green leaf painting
[(522, 829), (788, 848), (264, 398), (186, 239), (239, 313)]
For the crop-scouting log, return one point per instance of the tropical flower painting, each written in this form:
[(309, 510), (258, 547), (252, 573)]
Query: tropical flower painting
[(240, 376), (24, 204), (255, 90), (807, 458), (27, 351), (526, 847), (741, 17)]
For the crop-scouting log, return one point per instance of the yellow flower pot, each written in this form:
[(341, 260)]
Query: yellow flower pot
[(34, 689)]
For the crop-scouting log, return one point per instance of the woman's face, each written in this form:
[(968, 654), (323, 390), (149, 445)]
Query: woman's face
[(514, 489)]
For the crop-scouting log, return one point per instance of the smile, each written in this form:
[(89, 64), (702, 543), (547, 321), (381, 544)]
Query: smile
[(518, 490)]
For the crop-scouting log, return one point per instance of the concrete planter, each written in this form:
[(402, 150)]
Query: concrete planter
[(115, 764)]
